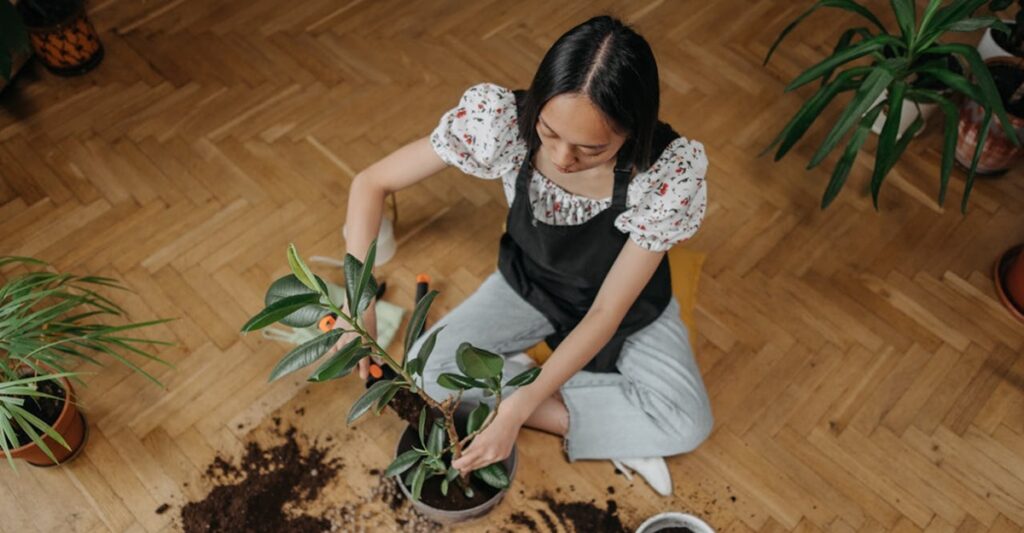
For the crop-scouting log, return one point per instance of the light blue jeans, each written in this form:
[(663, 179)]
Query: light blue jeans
[(656, 405)]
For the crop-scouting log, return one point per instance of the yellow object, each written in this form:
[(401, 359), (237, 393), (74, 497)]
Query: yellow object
[(686, 265)]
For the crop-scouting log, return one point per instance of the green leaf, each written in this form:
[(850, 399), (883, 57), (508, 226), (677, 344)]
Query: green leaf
[(427, 348), (457, 382), (418, 319), (436, 442), (444, 487), (905, 18), (494, 475), (417, 481), (953, 81), (524, 378), (844, 42), (856, 51), (342, 362), (387, 397), (812, 109), (884, 155), (305, 354), (402, 463), (982, 138), (873, 85), (278, 310), (478, 363), (422, 425), (301, 271), (845, 163), (414, 366), (950, 134), (289, 286), (847, 5), (363, 404), (365, 276), (977, 23), (477, 417)]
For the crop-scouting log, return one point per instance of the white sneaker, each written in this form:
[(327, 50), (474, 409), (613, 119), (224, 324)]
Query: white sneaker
[(654, 470)]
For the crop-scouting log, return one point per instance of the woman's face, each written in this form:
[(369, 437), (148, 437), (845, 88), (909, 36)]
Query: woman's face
[(575, 135)]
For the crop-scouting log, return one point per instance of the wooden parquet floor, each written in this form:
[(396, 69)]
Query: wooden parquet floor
[(862, 372)]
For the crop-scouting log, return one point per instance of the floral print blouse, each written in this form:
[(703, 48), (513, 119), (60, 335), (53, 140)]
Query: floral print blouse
[(664, 205)]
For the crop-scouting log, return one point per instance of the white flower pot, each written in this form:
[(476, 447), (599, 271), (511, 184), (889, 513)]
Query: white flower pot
[(907, 115), (988, 47), (666, 520)]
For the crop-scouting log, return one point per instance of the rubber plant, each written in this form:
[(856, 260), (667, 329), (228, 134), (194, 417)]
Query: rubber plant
[(302, 299), (49, 322), (870, 61), (13, 39)]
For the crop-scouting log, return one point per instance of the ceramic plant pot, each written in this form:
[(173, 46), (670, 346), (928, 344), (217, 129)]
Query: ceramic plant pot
[(674, 522), (70, 424), (1009, 280), (448, 516)]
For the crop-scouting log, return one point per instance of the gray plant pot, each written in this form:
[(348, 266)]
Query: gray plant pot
[(663, 521), (445, 516)]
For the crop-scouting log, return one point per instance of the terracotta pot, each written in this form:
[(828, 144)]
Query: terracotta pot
[(70, 424), (70, 47), (999, 153), (1009, 280)]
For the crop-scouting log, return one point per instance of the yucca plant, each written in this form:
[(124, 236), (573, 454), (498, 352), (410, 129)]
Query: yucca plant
[(13, 39), (49, 323), (303, 299), (871, 61)]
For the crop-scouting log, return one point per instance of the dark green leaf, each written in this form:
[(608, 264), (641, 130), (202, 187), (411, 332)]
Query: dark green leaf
[(342, 362), (477, 417), (950, 134), (414, 367), (289, 286), (419, 317), (905, 18), (457, 382), (402, 463), (444, 487), (884, 154), (427, 347), (422, 425), (845, 163), (363, 404), (301, 271), (494, 475), (873, 85), (524, 378), (990, 95), (848, 5), (844, 42), (978, 23), (417, 481), (305, 354), (858, 50), (478, 363), (363, 296), (982, 138), (436, 442), (387, 397), (278, 310)]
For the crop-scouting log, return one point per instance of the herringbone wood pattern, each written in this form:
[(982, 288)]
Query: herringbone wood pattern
[(863, 375)]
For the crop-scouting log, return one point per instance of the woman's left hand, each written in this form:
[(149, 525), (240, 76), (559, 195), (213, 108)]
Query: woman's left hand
[(493, 444)]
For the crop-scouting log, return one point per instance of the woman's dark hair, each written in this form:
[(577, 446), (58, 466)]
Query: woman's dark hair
[(611, 64)]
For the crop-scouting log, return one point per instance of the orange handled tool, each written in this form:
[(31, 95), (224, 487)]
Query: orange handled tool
[(327, 322)]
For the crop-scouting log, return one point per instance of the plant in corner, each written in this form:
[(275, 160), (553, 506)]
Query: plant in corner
[(870, 61), (48, 322), (438, 435)]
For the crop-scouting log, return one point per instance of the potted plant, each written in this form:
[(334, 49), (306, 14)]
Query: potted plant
[(14, 47), (1010, 41), (859, 64), (999, 150), (48, 322), (62, 36), (438, 430)]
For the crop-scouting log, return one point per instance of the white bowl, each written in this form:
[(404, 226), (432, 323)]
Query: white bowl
[(665, 520)]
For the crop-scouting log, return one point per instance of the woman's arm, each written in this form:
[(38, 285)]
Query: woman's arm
[(404, 167), (633, 268)]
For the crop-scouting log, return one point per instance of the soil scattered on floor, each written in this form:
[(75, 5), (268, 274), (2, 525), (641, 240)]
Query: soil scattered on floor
[(163, 508), (265, 490), (586, 516)]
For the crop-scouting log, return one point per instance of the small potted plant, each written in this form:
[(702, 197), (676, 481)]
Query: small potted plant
[(1009, 41), (14, 47), (49, 322), (895, 62), (438, 430), (999, 151), (62, 36)]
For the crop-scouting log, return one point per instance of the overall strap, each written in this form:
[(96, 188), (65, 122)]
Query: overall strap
[(623, 173)]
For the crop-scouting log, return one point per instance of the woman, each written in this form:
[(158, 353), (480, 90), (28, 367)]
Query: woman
[(598, 191)]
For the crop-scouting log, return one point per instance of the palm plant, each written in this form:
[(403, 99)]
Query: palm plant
[(874, 63), (13, 39), (49, 322), (303, 299)]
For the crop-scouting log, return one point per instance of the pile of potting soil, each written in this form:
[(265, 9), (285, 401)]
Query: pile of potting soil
[(577, 516), (265, 490)]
